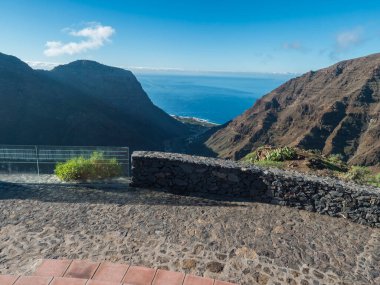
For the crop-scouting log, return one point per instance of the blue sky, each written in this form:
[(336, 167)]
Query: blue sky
[(238, 36)]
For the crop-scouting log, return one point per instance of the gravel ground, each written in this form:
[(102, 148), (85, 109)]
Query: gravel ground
[(243, 242)]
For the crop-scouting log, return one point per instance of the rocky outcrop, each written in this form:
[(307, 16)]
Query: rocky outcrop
[(231, 180), (335, 110)]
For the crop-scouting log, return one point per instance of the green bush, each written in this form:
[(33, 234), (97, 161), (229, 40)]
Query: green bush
[(281, 154), (374, 180), (358, 174), (251, 157), (270, 154), (335, 159), (335, 162), (95, 167)]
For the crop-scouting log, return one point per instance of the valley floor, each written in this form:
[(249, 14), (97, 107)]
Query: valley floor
[(243, 242)]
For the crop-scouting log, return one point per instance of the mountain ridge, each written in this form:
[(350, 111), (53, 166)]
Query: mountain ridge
[(335, 110), (50, 107)]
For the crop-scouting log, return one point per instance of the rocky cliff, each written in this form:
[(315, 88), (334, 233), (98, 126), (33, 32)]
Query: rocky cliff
[(335, 110)]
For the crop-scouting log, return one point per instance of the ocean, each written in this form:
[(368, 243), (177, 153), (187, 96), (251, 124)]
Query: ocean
[(215, 98)]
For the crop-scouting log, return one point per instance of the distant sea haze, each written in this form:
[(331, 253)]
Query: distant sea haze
[(216, 99)]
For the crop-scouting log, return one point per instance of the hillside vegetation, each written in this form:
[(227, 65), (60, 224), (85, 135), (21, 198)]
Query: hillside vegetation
[(312, 162)]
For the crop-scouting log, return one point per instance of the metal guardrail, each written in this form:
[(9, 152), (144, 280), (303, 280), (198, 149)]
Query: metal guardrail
[(44, 158)]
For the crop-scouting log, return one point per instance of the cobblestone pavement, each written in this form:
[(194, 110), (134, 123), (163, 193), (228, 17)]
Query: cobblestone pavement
[(243, 242)]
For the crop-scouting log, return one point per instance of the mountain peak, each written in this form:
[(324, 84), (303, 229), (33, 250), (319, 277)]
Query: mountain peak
[(86, 65), (13, 63)]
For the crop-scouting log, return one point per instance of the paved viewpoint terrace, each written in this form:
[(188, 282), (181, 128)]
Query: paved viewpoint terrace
[(240, 242)]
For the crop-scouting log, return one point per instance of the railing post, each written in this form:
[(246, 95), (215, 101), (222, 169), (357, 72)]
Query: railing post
[(38, 164), (129, 163)]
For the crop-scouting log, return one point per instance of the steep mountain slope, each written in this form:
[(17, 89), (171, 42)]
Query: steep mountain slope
[(119, 88), (39, 107), (335, 110)]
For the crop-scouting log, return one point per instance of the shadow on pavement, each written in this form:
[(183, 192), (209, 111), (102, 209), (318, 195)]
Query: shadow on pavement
[(120, 194)]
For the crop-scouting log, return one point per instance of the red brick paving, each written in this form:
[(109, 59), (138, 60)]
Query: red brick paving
[(164, 277), (82, 272), (33, 280), (138, 275), (68, 281), (82, 269), (53, 267), (111, 272), (7, 279), (97, 282)]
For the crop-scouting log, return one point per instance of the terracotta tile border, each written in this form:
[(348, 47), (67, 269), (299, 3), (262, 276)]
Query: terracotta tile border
[(8, 279), (111, 272), (83, 269), (68, 281), (53, 267), (197, 280), (164, 277), (138, 275), (85, 272), (33, 280)]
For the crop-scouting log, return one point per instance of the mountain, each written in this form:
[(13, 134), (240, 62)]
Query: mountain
[(335, 110), (81, 103)]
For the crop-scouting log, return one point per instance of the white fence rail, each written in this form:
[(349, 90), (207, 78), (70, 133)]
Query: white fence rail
[(42, 159)]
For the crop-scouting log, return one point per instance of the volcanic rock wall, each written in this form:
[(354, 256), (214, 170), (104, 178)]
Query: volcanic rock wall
[(232, 180)]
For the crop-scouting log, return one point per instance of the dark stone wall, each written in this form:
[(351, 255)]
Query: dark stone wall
[(229, 179)]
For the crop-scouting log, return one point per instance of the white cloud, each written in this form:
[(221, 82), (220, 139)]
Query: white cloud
[(348, 39), (42, 65), (345, 41), (95, 36), (295, 46)]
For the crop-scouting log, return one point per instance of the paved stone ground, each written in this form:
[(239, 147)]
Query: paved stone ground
[(242, 242)]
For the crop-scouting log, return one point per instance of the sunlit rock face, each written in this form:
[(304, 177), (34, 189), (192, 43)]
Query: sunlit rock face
[(335, 110)]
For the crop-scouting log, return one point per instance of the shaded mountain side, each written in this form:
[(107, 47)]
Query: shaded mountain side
[(195, 144), (335, 110), (40, 108), (119, 88)]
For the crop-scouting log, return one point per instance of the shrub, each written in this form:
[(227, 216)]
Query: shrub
[(270, 154), (251, 157), (358, 174), (95, 167), (335, 159), (374, 180), (335, 162), (281, 154), (315, 152)]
